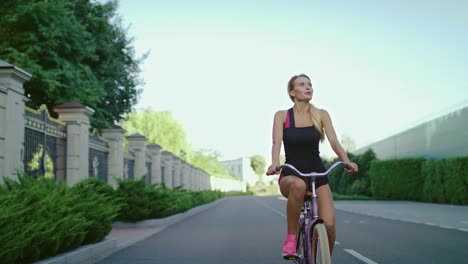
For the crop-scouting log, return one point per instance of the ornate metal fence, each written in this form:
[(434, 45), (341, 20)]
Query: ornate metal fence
[(129, 165), (163, 172), (98, 155), (44, 144), (148, 175)]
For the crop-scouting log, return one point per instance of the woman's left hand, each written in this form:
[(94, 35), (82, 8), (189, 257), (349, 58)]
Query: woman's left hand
[(354, 168)]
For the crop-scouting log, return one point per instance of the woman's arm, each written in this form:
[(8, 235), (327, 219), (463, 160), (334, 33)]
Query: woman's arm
[(334, 143), (278, 122)]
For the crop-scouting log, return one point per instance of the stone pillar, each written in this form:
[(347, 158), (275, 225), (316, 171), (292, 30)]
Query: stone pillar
[(183, 174), (76, 117), (12, 107), (197, 179), (115, 160), (191, 179), (188, 179), (199, 176), (136, 143), (155, 152), (167, 161), (204, 180), (176, 163), (204, 186)]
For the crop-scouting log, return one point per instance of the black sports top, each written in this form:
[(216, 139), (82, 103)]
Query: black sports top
[(301, 146)]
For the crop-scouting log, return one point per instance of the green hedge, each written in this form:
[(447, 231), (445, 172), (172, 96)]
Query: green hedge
[(446, 180), (435, 173), (41, 218), (436, 181), (342, 182), (142, 201), (399, 179)]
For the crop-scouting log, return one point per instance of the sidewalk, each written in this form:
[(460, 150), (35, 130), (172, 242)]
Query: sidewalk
[(121, 236), (441, 215)]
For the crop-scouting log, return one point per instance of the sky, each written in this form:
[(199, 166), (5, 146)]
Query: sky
[(221, 67)]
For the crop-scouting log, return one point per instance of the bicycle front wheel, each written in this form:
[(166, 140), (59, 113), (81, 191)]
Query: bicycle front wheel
[(319, 247)]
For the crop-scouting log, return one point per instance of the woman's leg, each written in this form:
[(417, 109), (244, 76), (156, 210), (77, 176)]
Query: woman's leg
[(294, 189), (327, 212)]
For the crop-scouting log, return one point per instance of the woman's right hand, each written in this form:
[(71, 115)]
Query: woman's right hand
[(272, 169)]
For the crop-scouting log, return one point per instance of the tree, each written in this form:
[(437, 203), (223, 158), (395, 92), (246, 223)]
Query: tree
[(257, 163), (348, 143), (76, 50), (208, 160), (160, 128)]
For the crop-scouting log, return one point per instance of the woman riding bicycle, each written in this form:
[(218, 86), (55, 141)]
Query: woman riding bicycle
[(301, 128)]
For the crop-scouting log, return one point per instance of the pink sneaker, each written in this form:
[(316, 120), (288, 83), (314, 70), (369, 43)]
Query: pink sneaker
[(289, 246)]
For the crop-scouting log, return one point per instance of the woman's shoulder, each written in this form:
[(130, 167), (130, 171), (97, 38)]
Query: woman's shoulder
[(281, 114), (323, 113)]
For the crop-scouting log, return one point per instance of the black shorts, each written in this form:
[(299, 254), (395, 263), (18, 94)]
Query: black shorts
[(319, 181)]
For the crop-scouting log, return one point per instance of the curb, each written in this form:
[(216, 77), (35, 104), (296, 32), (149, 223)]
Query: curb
[(87, 254), (90, 254)]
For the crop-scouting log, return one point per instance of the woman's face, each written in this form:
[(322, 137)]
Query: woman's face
[(302, 90)]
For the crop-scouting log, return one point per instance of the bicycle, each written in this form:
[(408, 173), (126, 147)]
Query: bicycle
[(312, 240)]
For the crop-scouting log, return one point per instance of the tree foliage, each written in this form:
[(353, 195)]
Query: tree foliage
[(257, 162), (160, 128), (208, 160), (76, 50)]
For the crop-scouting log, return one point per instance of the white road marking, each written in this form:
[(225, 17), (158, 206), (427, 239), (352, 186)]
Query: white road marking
[(282, 198), (271, 208), (464, 222), (448, 227), (359, 256), (337, 243)]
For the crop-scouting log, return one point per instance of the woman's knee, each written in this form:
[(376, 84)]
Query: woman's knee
[(297, 187)]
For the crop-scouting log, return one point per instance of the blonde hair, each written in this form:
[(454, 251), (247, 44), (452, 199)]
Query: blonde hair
[(313, 111)]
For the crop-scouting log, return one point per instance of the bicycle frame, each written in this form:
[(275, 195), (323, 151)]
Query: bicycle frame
[(309, 216)]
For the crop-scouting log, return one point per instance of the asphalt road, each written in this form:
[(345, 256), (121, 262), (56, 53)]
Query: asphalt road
[(251, 230)]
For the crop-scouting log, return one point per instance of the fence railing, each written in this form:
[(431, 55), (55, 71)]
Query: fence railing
[(44, 144), (98, 158), (129, 168)]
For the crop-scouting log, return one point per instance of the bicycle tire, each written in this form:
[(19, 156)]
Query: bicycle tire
[(301, 247), (320, 250)]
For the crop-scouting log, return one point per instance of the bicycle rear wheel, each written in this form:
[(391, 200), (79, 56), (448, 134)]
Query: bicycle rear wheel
[(320, 250)]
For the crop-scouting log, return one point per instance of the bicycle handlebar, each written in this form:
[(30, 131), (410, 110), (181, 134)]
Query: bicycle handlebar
[(313, 174)]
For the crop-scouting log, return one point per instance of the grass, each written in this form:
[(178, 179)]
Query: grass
[(337, 196)]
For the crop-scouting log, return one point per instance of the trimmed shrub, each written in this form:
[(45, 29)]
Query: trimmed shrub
[(142, 201), (36, 220), (40, 218), (343, 183), (434, 172), (136, 200), (399, 179), (456, 180), (100, 207)]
